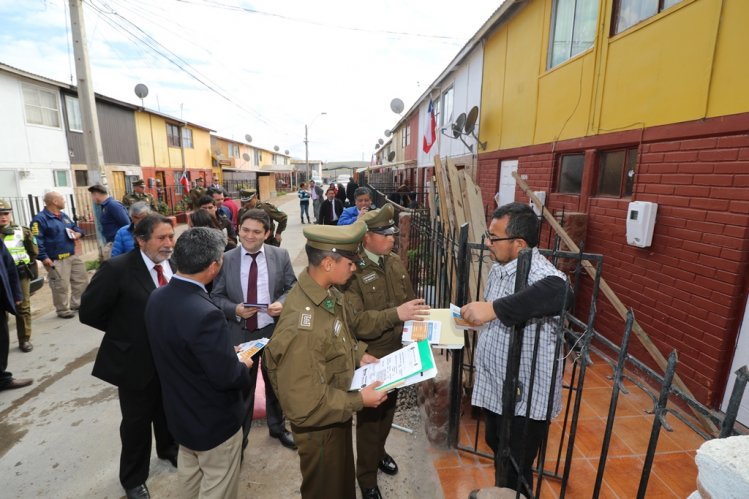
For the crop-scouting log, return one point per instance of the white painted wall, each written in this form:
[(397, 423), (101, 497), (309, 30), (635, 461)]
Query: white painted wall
[(466, 82), (32, 152)]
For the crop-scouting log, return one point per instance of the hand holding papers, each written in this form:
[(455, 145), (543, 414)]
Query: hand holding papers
[(443, 329), (247, 350), (411, 364)]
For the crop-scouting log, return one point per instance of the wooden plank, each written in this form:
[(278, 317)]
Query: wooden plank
[(458, 194), (609, 293), (443, 192), (478, 224)]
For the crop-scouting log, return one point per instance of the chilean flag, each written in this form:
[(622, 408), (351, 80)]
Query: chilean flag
[(185, 182), (430, 128)]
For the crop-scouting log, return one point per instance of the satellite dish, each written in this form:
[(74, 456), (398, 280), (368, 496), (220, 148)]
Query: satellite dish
[(380, 141), (391, 156), (286, 152), (217, 151), (377, 146), (141, 91), (276, 148), (460, 122), (245, 156), (388, 133), (396, 106), (470, 123), (248, 138)]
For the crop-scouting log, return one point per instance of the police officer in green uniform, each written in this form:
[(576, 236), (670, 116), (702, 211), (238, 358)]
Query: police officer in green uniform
[(22, 246), (197, 192), (381, 298), (311, 360), (139, 194), (249, 200)]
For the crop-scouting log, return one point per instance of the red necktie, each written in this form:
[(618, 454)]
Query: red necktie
[(160, 274), (251, 323)]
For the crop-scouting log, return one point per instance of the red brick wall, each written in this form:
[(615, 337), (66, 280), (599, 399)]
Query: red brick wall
[(688, 289)]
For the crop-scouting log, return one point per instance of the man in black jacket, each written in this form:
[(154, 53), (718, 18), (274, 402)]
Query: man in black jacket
[(330, 209), (114, 302), (201, 377)]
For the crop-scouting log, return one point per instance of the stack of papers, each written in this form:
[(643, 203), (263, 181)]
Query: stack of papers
[(411, 364), (250, 348), (443, 329)]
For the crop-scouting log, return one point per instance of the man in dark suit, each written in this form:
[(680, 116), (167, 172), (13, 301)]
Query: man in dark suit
[(201, 377), (331, 209), (10, 296), (273, 280), (114, 302)]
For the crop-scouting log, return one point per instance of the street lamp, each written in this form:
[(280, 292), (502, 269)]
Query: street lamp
[(306, 143)]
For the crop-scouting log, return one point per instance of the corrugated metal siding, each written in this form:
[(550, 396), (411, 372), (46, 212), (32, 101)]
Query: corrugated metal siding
[(118, 139)]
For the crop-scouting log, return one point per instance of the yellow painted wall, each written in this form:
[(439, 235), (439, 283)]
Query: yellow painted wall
[(666, 69), (154, 151)]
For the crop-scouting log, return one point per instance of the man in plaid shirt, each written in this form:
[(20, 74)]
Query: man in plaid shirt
[(514, 227)]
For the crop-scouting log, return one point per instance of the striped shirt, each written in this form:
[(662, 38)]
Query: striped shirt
[(493, 346)]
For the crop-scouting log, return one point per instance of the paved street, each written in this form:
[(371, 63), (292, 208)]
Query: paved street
[(59, 437)]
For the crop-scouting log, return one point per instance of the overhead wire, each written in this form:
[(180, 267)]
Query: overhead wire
[(170, 56)]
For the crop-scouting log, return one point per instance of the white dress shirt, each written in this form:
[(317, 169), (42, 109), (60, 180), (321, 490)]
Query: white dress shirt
[(165, 267), (263, 290)]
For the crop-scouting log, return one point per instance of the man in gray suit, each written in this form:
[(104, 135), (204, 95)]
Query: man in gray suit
[(255, 273)]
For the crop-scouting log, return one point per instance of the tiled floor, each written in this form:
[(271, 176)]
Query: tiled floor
[(673, 474)]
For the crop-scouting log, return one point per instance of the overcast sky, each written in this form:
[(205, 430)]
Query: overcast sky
[(264, 68)]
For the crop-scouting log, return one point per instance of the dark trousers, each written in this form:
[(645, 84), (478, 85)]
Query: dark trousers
[(523, 450), (142, 409), (5, 376), (273, 413), (304, 207), (326, 459), (372, 429)]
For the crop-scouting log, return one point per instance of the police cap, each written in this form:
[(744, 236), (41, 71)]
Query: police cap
[(5, 206), (139, 183), (381, 221), (341, 239), (246, 194)]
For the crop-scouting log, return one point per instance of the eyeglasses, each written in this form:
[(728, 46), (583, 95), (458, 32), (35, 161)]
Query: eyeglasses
[(493, 239)]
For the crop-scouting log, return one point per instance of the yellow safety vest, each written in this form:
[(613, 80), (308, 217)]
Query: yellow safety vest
[(14, 243)]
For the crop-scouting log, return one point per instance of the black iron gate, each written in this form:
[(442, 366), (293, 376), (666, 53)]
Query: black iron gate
[(439, 262)]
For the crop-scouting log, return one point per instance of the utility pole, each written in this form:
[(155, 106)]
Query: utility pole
[(306, 152), (86, 100), (87, 103)]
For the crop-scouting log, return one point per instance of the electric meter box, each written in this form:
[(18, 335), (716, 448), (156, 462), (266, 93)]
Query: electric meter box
[(641, 223)]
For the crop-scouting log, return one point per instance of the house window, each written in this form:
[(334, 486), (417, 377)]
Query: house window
[(616, 172), (406, 136), (81, 178), (73, 109), (61, 178), (187, 138), (258, 157), (447, 107), (234, 150), (172, 135), (573, 29), (570, 173), (627, 13), (41, 107)]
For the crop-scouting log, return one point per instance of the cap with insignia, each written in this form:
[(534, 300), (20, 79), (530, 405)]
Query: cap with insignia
[(381, 221), (98, 188), (139, 183), (342, 239), (246, 194), (5, 206)]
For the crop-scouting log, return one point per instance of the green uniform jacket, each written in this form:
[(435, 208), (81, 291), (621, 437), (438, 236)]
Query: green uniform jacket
[(276, 217), (373, 294), (312, 355), (134, 197)]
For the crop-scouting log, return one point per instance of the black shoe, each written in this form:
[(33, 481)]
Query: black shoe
[(371, 493), (139, 492), (16, 383), (286, 439), (387, 465), (26, 346)]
